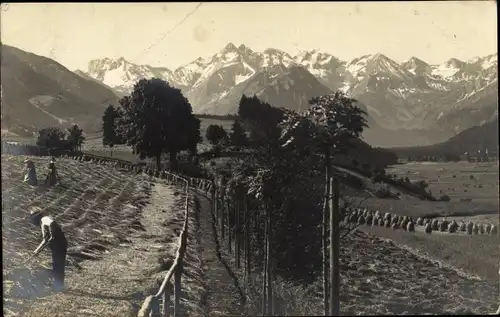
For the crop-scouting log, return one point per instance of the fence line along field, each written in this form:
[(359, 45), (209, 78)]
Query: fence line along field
[(120, 228)]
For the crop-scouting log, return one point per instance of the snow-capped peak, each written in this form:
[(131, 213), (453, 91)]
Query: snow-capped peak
[(414, 62), (454, 63), (229, 47), (272, 56), (244, 49), (449, 68), (474, 60), (489, 61), (122, 75), (416, 66), (313, 56), (375, 63)]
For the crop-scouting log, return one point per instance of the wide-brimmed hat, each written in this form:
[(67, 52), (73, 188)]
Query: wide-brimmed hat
[(35, 214), (35, 210)]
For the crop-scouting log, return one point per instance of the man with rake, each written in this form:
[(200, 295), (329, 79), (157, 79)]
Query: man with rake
[(53, 236)]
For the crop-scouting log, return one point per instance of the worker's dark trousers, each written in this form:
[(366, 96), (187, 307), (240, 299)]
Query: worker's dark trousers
[(59, 248)]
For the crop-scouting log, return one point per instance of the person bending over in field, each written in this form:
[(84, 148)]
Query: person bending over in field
[(53, 236), (52, 177), (30, 175)]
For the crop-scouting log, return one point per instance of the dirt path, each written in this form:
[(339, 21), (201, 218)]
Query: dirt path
[(118, 282), (223, 296)]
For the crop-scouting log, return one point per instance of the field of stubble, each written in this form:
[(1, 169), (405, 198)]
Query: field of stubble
[(381, 277), (471, 186), (115, 222)]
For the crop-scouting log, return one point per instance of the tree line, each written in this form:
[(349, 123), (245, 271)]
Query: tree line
[(56, 140)]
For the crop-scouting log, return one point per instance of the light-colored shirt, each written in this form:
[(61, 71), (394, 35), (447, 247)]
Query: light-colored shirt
[(46, 227)]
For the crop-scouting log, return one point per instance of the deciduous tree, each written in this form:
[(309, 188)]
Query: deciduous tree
[(155, 119), (75, 138), (110, 137), (338, 121), (238, 136), (51, 138), (216, 134)]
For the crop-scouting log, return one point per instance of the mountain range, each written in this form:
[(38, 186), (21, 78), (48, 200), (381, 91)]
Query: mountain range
[(410, 103), (433, 102)]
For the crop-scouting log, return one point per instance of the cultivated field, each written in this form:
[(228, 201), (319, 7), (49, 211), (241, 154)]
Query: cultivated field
[(122, 231), (476, 254), (483, 204), (380, 277), (461, 181)]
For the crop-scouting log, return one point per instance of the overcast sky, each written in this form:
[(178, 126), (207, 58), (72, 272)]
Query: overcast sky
[(173, 34)]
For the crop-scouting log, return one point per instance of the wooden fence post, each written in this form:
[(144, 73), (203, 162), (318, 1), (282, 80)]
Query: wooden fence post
[(214, 201), (248, 269), (230, 226), (166, 302), (237, 239), (155, 308), (269, 264), (334, 249), (324, 239), (178, 276)]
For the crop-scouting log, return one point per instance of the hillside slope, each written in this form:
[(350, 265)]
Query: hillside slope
[(290, 88), (478, 138), (38, 92)]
